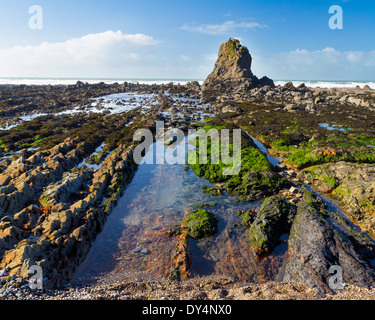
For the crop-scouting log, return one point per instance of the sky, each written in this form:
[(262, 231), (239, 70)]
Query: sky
[(139, 39)]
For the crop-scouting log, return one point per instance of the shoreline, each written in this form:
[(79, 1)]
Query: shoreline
[(324, 84)]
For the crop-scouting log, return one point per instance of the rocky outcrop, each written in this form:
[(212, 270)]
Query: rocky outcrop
[(320, 240), (232, 70), (197, 225), (200, 224), (273, 220), (352, 184), (57, 234), (25, 178), (61, 191), (181, 260)]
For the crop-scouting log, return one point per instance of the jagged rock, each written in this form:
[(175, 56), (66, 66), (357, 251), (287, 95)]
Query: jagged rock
[(352, 184), (366, 88), (193, 85), (289, 86), (63, 189), (293, 107), (232, 70), (62, 231), (9, 237), (316, 244), (273, 220), (230, 109)]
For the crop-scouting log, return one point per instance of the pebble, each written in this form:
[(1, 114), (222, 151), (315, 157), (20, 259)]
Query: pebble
[(130, 287), (294, 190), (281, 166), (141, 250)]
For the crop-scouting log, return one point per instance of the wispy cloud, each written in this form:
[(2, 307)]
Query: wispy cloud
[(330, 56), (323, 64), (88, 55), (185, 57), (210, 56), (224, 28)]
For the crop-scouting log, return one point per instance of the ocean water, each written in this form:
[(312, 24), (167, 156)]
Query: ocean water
[(70, 81), (329, 84)]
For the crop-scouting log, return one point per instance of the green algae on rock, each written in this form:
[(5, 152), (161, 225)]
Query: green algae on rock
[(200, 224), (256, 178), (273, 220)]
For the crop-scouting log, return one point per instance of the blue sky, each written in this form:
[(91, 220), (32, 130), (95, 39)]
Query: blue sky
[(288, 40)]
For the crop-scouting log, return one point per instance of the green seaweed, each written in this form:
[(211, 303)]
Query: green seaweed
[(201, 224)]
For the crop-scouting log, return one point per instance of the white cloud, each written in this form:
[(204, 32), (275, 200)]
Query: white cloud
[(210, 56), (90, 55), (185, 57), (226, 27), (329, 56), (355, 56), (327, 63)]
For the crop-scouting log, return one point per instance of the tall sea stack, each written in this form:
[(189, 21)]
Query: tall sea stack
[(233, 70)]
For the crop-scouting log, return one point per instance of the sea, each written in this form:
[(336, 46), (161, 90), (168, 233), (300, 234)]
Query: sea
[(70, 81)]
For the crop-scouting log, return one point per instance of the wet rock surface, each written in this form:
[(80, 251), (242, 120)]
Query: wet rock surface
[(352, 184), (316, 244), (272, 221)]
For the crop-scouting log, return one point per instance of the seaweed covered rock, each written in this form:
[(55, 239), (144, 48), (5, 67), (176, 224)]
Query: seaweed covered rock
[(255, 185), (351, 183), (273, 220), (255, 178), (233, 70), (317, 242), (200, 224), (247, 217)]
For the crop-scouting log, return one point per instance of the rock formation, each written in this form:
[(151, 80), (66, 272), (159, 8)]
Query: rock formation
[(233, 70), (319, 240), (57, 234)]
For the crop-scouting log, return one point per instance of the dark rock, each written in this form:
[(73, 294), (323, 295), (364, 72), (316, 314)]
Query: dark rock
[(316, 244), (289, 86), (231, 109), (232, 70), (302, 87), (256, 185), (200, 224), (265, 81), (273, 220), (366, 88)]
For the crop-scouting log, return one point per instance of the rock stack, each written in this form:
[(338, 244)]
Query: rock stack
[(233, 70)]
